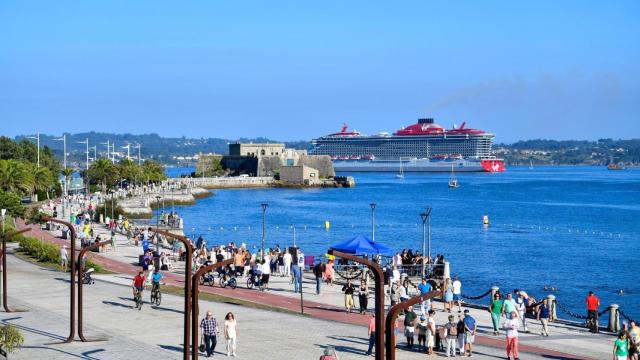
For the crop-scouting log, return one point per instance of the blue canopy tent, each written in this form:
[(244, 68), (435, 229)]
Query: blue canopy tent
[(361, 245)]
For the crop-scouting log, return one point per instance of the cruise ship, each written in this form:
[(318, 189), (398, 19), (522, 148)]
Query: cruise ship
[(421, 147)]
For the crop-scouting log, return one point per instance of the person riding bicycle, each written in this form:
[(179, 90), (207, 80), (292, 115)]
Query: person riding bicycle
[(138, 284), (155, 280), (593, 303)]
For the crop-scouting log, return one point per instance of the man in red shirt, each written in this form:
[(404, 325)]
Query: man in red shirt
[(593, 303), (138, 283)]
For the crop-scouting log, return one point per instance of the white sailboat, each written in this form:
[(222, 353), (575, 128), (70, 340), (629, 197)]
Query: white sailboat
[(453, 182), (400, 174), (530, 164)]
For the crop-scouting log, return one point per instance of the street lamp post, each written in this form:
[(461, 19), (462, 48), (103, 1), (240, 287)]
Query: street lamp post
[(108, 147), (425, 216), (139, 158), (373, 221), (158, 212), (264, 210), (128, 147), (37, 138), (64, 149)]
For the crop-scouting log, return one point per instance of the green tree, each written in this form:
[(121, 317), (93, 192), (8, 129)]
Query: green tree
[(43, 180), (103, 172), (16, 176), (11, 202), (153, 171), (130, 170)]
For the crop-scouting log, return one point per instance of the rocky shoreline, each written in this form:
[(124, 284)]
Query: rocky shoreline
[(141, 206)]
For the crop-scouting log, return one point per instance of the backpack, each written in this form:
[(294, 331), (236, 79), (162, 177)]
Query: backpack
[(453, 330)]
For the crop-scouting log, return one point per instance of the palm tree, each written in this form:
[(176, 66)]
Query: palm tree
[(43, 180), (16, 177), (103, 171), (67, 173)]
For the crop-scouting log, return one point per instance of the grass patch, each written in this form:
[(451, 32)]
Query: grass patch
[(175, 290)]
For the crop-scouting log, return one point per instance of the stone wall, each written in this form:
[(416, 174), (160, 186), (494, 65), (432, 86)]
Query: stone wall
[(320, 162)]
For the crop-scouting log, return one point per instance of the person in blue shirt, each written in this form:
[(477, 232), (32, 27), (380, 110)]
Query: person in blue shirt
[(543, 316), (155, 280), (470, 329), (424, 288)]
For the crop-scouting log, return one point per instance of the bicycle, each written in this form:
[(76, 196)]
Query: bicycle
[(231, 281), (156, 295), (208, 278)]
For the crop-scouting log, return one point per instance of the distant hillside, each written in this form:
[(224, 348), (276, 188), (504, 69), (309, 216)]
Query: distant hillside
[(163, 149), (153, 146), (570, 152)]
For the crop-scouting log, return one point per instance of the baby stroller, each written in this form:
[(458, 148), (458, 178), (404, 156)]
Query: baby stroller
[(87, 279)]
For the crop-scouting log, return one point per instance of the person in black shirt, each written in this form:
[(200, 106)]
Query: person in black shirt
[(348, 289), (318, 271)]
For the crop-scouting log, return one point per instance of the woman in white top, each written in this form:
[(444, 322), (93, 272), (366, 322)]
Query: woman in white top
[(230, 333)]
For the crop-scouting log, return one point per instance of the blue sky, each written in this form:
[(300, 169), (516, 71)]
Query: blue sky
[(297, 70)]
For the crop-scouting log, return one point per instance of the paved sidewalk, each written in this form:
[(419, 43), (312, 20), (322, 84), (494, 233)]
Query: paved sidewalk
[(566, 342), (156, 332)]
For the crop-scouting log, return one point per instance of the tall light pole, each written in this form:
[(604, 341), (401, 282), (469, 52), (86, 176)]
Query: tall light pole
[(128, 147), (264, 210), (86, 142), (95, 152), (37, 138), (108, 147), (139, 158), (64, 150), (113, 152), (373, 221), (425, 216)]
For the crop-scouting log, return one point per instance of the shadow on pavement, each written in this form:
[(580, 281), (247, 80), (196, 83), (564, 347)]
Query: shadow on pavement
[(113, 303), (35, 331), (345, 349), (84, 355), (352, 339)]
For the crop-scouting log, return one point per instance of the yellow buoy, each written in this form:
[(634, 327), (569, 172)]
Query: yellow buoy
[(327, 225), (485, 219)]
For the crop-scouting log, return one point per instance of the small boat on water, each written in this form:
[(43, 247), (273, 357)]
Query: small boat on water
[(400, 174), (613, 166), (531, 165), (453, 181)]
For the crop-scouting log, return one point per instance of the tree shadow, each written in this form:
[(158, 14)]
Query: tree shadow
[(352, 339), (167, 309), (344, 349), (85, 355)]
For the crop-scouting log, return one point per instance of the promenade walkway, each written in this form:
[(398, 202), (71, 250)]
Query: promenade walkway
[(564, 342)]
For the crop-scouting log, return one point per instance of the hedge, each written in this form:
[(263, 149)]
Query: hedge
[(47, 252)]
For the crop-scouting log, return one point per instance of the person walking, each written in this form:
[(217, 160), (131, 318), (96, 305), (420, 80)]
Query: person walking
[(64, 258), (329, 273), (230, 333), (424, 288), (521, 308), (209, 327), (621, 347), (286, 258), (422, 331), (634, 340), (495, 308), (363, 296), (509, 306), (410, 319), (447, 295), (543, 316), (460, 330), (593, 303), (266, 273), (511, 326), (297, 278), (348, 290), (371, 331), (470, 329), (431, 332), (318, 272), (394, 295), (457, 292), (450, 336)]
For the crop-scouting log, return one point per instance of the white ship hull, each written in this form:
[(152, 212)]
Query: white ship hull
[(417, 165)]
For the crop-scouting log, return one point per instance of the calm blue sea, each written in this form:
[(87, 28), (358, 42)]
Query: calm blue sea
[(574, 228)]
